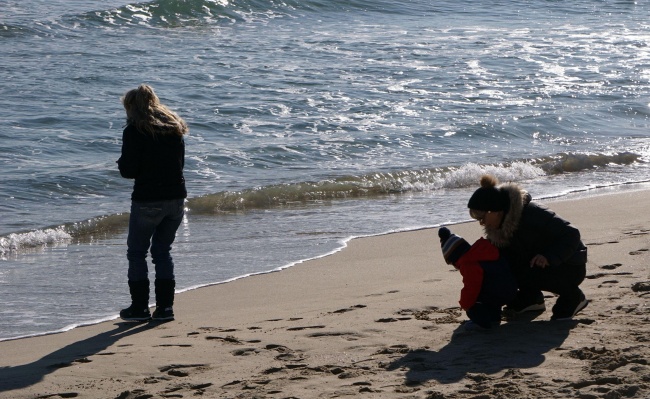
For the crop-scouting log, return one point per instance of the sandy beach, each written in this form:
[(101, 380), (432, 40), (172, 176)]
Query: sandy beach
[(378, 319)]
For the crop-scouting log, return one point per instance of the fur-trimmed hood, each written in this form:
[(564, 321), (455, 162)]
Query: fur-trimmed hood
[(519, 198)]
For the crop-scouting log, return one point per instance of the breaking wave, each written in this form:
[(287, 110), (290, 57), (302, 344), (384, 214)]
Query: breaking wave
[(385, 183), (371, 185)]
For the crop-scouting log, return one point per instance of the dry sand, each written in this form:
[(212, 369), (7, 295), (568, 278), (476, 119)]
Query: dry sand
[(379, 319)]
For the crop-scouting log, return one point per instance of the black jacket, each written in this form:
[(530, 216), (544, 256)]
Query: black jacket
[(155, 162), (529, 229)]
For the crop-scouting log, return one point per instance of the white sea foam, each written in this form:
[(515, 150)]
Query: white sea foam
[(20, 241)]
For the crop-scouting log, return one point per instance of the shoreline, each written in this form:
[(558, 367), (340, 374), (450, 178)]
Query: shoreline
[(571, 196), (379, 316)]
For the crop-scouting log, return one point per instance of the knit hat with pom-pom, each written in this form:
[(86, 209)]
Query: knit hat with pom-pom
[(453, 246), (489, 197)]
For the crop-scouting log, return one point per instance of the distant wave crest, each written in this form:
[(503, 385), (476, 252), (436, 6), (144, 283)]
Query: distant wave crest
[(165, 14), (564, 163), (10, 31), (181, 13), (171, 14)]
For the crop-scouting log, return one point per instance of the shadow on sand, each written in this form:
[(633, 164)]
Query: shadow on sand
[(25, 375), (511, 346)]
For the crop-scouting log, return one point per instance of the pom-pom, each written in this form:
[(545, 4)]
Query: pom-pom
[(489, 181), (444, 234)]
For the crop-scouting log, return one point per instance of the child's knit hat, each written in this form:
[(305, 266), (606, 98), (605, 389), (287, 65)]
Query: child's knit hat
[(453, 246)]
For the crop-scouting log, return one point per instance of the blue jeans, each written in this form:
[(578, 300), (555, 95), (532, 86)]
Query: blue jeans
[(153, 224)]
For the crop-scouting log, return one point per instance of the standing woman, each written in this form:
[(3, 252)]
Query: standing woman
[(153, 153), (544, 250)]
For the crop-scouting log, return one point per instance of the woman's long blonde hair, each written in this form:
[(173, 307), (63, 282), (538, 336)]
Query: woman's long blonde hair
[(145, 112)]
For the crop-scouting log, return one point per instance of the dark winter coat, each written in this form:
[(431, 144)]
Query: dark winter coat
[(155, 162), (487, 277), (529, 229)]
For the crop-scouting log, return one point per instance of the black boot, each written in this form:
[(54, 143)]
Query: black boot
[(164, 299), (139, 309)]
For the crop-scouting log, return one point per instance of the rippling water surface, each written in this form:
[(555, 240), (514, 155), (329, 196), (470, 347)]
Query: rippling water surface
[(310, 122)]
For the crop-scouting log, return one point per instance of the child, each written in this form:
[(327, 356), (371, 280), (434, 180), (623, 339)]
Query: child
[(488, 283)]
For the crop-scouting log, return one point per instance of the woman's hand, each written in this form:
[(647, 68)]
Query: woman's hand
[(539, 261)]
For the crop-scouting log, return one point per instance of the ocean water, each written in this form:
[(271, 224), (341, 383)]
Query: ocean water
[(311, 122)]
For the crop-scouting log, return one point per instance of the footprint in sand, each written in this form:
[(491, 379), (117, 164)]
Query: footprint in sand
[(228, 339), (213, 329), (247, 385), (284, 354), (245, 351), (643, 286), (349, 336), (155, 380), (68, 364), (601, 275), (392, 319), (386, 320), (639, 252), (178, 370), (612, 266), (638, 232), (383, 293), (601, 243), (607, 283), (175, 391), (351, 308), (605, 360), (434, 314), (341, 372), (304, 328), (134, 394), (393, 349)]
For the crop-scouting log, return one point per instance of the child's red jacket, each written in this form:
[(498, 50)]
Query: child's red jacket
[(487, 277)]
